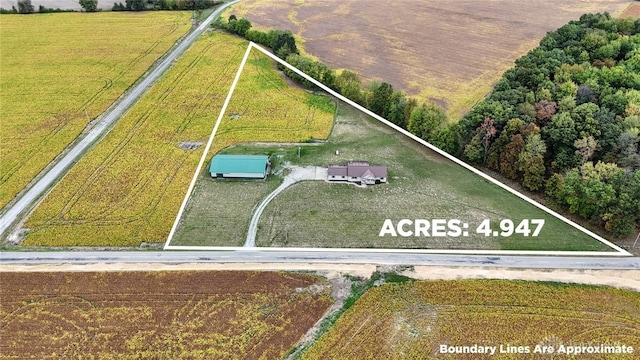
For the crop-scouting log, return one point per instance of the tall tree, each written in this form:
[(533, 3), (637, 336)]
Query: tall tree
[(510, 156), (379, 103), (136, 5), (426, 121), (89, 5), (25, 7), (531, 162), (348, 84), (487, 131)]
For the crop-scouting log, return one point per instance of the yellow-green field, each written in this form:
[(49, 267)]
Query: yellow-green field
[(129, 188), (61, 70), (412, 320)]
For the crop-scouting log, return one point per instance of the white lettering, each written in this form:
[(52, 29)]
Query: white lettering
[(401, 229), (387, 228), (455, 228), (439, 227), (422, 227)]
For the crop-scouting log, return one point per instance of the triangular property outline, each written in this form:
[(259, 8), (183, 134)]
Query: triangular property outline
[(252, 45)]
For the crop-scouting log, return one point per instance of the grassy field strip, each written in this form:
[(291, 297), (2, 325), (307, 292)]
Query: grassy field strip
[(91, 60), (413, 319)]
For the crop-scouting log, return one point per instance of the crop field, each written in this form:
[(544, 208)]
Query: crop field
[(59, 71), (129, 188), (448, 52), (421, 185), (412, 320), (157, 315)]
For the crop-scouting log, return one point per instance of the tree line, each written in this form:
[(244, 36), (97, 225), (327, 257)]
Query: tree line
[(564, 122), (26, 6), (142, 5)]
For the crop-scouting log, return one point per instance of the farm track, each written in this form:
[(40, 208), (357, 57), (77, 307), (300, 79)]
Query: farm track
[(55, 173)]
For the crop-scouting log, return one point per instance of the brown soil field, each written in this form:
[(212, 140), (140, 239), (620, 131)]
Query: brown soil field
[(448, 52), (159, 315), (633, 10)]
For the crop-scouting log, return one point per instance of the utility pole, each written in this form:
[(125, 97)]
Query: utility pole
[(298, 155)]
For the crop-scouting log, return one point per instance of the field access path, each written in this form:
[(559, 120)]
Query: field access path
[(76, 151)]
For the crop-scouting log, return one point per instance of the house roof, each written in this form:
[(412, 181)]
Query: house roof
[(239, 164), (358, 169), (337, 170)]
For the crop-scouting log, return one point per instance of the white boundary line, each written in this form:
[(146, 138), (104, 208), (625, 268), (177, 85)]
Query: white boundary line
[(206, 149), (167, 246)]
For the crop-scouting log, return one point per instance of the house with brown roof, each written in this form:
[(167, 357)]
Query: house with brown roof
[(357, 172)]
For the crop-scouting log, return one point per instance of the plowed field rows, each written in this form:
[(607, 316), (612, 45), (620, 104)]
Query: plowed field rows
[(449, 52), (156, 315), (61, 70)]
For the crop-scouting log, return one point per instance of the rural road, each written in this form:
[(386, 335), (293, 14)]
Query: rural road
[(262, 255), (30, 198)]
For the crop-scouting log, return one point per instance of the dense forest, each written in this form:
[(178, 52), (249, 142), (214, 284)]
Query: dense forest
[(564, 122)]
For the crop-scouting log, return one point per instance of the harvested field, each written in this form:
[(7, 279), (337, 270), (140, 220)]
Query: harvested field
[(59, 71), (412, 320), (421, 185), (633, 10), (168, 315), (448, 52), (128, 189)]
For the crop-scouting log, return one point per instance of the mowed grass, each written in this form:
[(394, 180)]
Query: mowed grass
[(129, 188), (448, 52), (158, 314), (422, 185), (264, 108), (61, 70), (412, 320)]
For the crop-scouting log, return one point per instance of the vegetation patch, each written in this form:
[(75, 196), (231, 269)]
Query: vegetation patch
[(53, 85), (413, 319), (170, 315)]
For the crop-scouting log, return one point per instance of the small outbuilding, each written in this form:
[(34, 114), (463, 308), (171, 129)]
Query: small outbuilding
[(239, 166)]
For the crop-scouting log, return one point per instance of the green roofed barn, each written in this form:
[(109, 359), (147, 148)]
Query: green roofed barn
[(239, 166)]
